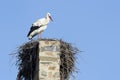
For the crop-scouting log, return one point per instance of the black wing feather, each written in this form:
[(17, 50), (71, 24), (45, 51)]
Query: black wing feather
[(32, 29)]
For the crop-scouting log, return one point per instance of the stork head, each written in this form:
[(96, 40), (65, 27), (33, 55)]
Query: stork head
[(49, 16)]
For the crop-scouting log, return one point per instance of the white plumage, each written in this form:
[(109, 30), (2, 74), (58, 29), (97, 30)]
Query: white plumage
[(39, 26)]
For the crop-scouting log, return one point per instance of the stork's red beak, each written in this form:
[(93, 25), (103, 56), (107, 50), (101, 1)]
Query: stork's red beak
[(50, 18)]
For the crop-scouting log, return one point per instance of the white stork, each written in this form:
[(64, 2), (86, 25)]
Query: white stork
[(39, 26)]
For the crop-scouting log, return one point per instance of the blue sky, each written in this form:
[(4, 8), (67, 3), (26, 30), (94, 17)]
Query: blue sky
[(91, 25)]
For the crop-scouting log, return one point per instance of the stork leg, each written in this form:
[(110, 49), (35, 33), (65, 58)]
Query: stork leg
[(39, 36)]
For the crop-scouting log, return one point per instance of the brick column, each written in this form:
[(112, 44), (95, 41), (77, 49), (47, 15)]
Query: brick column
[(48, 63)]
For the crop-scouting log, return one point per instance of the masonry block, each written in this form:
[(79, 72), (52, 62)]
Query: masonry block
[(49, 61)]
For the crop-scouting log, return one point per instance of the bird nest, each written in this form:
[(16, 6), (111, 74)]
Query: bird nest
[(27, 56)]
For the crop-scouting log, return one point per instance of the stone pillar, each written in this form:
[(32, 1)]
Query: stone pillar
[(48, 64)]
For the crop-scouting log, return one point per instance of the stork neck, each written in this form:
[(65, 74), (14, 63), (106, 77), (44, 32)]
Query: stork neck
[(47, 17)]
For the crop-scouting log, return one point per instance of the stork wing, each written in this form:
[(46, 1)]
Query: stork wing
[(32, 29)]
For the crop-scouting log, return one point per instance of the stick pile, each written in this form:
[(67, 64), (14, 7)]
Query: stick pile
[(27, 56)]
